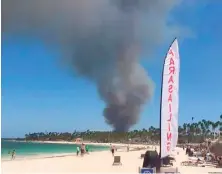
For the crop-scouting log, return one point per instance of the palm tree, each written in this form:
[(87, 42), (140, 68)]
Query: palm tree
[(180, 130), (200, 126), (220, 126), (206, 125), (203, 129), (144, 132), (185, 128), (220, 129), (188, 127), (214, 126)]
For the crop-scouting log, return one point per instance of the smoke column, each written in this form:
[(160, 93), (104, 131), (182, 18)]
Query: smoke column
[(102, 41)]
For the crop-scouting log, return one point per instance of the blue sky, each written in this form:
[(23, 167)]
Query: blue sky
[(39, 93)]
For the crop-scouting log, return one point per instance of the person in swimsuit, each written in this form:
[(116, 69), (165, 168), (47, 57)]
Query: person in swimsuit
[(82, 149)]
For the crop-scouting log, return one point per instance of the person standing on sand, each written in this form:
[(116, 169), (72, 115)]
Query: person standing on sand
[(13, 154), (82, 150), (9, 152), (112, 150), (77, 150)]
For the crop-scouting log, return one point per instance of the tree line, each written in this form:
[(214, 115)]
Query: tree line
[(195, 132)]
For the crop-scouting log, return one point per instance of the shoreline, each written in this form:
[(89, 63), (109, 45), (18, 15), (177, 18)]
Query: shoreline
[(119, 146), (84, 142)]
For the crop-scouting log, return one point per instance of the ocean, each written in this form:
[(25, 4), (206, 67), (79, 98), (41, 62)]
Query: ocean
[(34, 149)]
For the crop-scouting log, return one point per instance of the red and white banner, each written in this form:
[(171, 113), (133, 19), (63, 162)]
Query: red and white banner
[(170, 100)]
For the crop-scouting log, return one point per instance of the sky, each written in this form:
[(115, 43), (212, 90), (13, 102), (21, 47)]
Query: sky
[(39, 93)]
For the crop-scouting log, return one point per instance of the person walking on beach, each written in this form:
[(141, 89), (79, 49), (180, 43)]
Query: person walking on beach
[(77, 150), (9, 152), (112, 150), (13, 154), (82, 149)]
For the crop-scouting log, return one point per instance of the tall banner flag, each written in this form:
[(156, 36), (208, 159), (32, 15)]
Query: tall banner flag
[(170, 100)]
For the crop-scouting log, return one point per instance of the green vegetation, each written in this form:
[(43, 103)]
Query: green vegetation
[(191, 132)]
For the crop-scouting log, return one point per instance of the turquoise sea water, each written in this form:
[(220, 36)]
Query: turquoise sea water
[(34, 148)]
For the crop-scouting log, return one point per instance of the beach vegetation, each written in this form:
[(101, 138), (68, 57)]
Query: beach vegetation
[(195, 132)]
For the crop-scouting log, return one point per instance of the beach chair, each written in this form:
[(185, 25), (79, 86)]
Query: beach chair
[(142, 156), (169, 170), (219, 165), (188, 163), (167, 161), (117, 160), (172, 158)]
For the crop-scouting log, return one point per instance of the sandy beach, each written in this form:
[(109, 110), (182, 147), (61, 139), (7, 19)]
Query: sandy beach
[(95, 162)]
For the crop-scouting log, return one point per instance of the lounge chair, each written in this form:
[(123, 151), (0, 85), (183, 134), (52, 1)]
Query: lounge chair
[(167, 161), (171, 158), (196, 163), (219, 165), (216, 164), (169, 170), (188, 163), (117, 160)]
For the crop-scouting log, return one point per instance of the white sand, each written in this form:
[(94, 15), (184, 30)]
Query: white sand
[(96, 162)]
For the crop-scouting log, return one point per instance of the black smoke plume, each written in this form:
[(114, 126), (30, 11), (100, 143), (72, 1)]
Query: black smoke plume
[(102, 40)]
